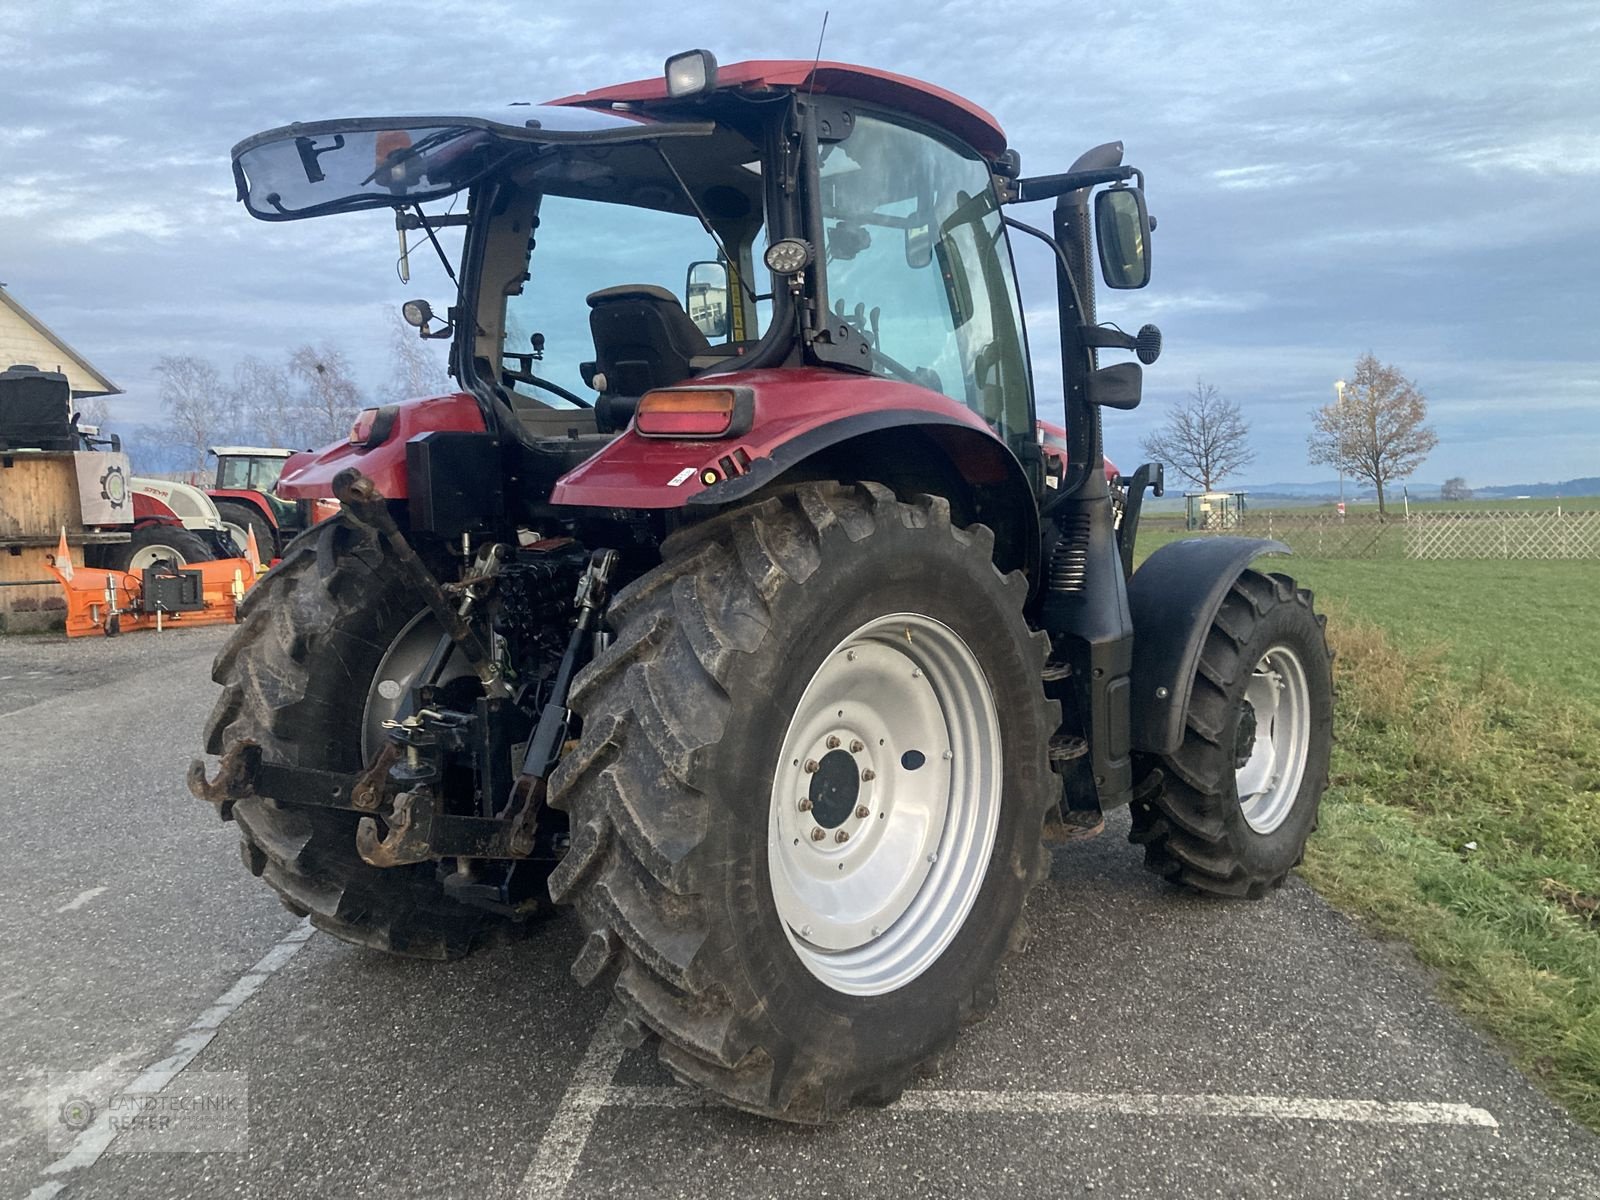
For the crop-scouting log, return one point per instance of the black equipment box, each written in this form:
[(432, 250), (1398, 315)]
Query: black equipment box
[(171, 590), (35, 410), (455, 481)]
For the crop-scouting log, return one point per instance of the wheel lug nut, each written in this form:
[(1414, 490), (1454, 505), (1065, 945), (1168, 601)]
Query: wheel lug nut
[(811, 766), (805, 804), (841, 836), (856, 747), (868, 775), (805, 931), (818, 834), (833, 742), (862, 812)]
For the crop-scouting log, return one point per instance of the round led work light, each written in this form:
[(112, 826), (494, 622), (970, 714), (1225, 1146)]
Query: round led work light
[(788, 256)]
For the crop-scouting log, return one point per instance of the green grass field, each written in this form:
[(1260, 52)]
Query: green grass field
[(1464, 816)]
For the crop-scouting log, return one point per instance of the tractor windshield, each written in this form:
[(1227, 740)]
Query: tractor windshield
[(918, 260)]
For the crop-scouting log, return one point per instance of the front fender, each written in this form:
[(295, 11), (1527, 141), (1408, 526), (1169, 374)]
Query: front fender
[(1173, 597)]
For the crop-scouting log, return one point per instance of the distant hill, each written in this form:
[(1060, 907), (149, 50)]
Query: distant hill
[(1588, 486), (1322, 492)]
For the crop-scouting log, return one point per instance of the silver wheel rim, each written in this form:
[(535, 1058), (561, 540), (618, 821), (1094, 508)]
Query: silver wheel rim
[(402, 662), (896, 744), (1270, 755), (148, 556)]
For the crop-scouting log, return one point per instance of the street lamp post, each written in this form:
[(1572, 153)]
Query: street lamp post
[(1338, 389)]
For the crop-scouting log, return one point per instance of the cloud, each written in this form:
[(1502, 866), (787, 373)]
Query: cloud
[(1404, 178)]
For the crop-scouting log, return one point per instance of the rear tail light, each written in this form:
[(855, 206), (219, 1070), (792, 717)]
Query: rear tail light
[(373, 425), (694, 412)]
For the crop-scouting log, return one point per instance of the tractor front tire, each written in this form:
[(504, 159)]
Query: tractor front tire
[(807, 801), (240, 519), (1234, 807), (296, 678)]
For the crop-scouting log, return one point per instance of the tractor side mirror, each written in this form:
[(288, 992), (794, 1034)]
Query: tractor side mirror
[(706, 298), (919, 241), (1122, 230)]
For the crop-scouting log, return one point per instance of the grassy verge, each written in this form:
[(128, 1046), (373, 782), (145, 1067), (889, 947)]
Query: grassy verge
[(1465, 820), (1464, 817)]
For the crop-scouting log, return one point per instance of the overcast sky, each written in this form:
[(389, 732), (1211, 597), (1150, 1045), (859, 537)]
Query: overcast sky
[(1417, 180)]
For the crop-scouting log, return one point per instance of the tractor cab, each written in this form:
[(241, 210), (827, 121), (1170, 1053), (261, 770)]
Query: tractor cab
[(698, 227), (249, 468)]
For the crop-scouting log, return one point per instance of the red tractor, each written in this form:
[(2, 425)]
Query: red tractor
[(747, 623), (246, 496)]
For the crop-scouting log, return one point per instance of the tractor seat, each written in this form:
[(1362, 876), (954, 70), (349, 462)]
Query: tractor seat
[(643, 339)]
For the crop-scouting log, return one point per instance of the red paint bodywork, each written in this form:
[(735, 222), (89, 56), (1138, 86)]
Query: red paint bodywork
[(252, 498), (1053, 444), (147, 510), (653, 472), (911, 96), (309, 474)]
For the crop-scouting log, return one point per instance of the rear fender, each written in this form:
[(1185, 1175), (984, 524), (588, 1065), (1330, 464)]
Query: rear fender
[(309, 475), (813, 423), (911, 454), (1174, 597)]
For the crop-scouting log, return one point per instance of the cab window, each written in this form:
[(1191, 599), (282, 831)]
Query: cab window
[(917, 259)]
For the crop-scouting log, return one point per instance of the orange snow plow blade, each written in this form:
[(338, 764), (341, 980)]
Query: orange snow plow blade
[(113, 602)]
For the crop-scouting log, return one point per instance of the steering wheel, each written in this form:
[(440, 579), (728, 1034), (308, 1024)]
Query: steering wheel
[(526, 375)]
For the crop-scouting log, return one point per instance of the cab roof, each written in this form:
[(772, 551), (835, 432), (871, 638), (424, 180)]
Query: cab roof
[(949, 111)]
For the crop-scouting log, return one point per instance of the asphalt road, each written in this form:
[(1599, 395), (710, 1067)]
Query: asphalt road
[(1148, 1044)]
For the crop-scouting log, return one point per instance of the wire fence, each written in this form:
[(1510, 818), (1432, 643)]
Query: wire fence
[(1463, 534), (1540, 534)]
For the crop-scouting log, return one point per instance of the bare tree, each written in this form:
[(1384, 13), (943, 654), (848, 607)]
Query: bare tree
[(416, 369), (95, 412), (1455, 488), (1377, 430), (270, 412), (331, 398), (1204, 438), (198, 408)]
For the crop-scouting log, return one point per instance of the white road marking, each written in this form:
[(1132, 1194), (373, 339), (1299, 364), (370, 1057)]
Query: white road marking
[(560, 1149), (568, 1132), (1283, 1108), (89, 1145), (975, 1102), (80, 899)]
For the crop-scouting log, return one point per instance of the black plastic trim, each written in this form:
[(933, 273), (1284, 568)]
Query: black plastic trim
[(1174, 596)]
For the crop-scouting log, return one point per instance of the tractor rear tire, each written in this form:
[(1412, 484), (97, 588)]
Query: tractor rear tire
[(152, 544), (690, 777), (241, 518), (296, 677), (1236, 804)]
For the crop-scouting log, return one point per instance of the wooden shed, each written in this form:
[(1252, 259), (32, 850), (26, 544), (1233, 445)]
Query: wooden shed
[(42, 490)]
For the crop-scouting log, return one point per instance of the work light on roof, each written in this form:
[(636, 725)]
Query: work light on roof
[(691, 73)]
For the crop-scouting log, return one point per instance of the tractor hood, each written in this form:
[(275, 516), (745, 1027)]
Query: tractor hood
[(310, 170)]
